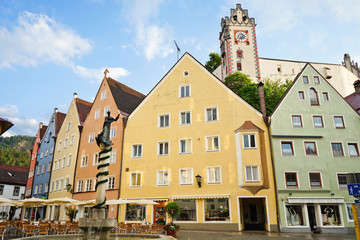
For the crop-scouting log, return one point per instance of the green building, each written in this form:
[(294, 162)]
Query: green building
[(315, 138)]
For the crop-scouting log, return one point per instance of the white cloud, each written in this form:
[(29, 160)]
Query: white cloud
[(22, 125), (96, 75), (155, 40), (36, 39)]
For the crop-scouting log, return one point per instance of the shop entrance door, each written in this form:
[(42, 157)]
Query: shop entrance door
[(253, 213), (159, 213), (312, 217)]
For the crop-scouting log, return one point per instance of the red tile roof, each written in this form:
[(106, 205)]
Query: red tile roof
[(354, 101), (13, 175), (42, 131), (83, 108), (59, 121)]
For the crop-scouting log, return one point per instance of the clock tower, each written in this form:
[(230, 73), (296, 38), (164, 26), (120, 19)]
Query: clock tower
[(238, 45)]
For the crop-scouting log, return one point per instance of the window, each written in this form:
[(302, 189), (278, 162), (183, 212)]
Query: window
[(252, 174), (91, 137), (136, 150), (353, 149), (294, 215), (95, 181), (103, 95), (249, 141), (79, 186), (185, 118), (52, 186), (67, 181), (113, 132), (46, 188), (164, 121), (339, 122), (1, 189), (65, 143), (301, 95), (184, 91), (310, 149), (135, 179), (287, 148), (61, 185), (36, 189), (315, 180), (291, 180), (38, 170), (186, 73), (186, 176), (305, 79), (49, 167), (54, 167), (187, 209), (325, 96), (59, 164), (330, 215), (106, 110), (316, 80), (185, 146), (72, 140), (212, 144), (314, 101), (342, 180), (68, 126), (349, 212), (84, 161), (69, 160), (163, 148), (238, 66), (318, 121), (112, 158), (41, 188), (51, 149), (64, 162), (97, 113), (96, 159), (296, 121), (162, 177), (46, 152), (59, 146), (43, 168), (217, 210), (337, 149), (41, 155), (239, 54), (211, 114), (135, 212), (88, 185), (16, 191), (213, 175)]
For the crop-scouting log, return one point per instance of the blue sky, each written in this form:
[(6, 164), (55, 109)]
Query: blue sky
[(50, 49)]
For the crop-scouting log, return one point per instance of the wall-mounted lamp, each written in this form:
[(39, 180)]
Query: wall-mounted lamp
[(69, 188), (290, 194), (198, 180), (332, 194)]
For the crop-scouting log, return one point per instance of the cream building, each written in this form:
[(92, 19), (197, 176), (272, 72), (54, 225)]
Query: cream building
[(195, 142), (65, 153)]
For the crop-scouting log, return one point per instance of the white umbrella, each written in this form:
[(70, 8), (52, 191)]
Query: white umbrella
[(33, 201), (144, 202), (118, 201), (62, 200), (85, 203), (5, 200)]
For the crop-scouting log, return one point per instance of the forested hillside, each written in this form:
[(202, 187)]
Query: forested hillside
[(15, 150)]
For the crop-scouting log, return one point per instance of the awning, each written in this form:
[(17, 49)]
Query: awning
[(315, 200), (202, 196)]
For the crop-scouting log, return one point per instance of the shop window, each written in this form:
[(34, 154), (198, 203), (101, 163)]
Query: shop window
[(135, 212), (217, 210), (294, 215), (187, 210), (330, 215)]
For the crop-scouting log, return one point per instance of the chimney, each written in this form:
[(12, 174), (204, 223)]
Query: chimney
[(40, 125), (75, 95), (262, 101), (357, 86), (56, 110)]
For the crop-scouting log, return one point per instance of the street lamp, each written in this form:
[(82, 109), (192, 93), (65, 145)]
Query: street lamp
[(198, 180)]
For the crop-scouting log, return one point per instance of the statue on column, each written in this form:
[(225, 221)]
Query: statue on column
[(104, 136)]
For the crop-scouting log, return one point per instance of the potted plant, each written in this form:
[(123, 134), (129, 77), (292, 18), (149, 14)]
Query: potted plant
[(173, 210), (71, 212)]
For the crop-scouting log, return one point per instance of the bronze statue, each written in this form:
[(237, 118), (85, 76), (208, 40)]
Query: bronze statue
[(104, 136)]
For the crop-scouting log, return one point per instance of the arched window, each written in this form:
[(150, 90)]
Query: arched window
[(314, 101)]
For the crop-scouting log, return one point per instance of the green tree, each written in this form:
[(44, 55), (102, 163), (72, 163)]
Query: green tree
[(214, 62), (173, 209), (246, 89)]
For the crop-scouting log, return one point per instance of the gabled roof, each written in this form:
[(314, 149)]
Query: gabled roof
[(59, 121), (42, 131), (13, 175), (354, 99), (83, 108), (248, 125), (126, 98), (5, 125)]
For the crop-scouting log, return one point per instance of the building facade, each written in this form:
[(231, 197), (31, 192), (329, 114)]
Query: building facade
[(65, 154), (192, 128), (315, 142), (118, 99)]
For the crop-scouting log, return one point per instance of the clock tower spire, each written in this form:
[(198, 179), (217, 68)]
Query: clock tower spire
[(238, 45)]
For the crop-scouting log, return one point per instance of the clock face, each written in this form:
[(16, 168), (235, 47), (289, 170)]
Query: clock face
[(241, 36)]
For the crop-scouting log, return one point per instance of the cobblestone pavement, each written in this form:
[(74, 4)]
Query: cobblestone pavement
[(256, 235)]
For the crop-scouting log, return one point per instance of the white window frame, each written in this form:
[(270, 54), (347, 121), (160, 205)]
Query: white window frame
[(91, 137), (186, 113), (59, 164), (347, 212), (337, 180), (54, 166), (251, 178), (112, 158), (79, 185), (59, 146), (103, 95), (342, 147), (65, 143), (159, 147), (357, 148), (63, 162), (135, 150), (106, 109), (184, 86), (111, 182), (113, 132), (187, 172), (207, 138), (217, 114), (88, 185), (316, 148), (343, 121), (301, 121), (72, 139), (96, 159), (303, 92), (328, 96), (97, 113), (297, 180), (321, 180), (164, 115), (322, 119), (84, 161), (69, 160), (249, 140), (209, 172), (187, 151), (137, 174), (68, 126), (162, 171)]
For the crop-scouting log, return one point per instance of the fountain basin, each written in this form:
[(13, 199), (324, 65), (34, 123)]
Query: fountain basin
[(112, 237)]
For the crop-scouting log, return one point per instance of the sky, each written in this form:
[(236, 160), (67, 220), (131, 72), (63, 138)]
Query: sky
[(50, 49)]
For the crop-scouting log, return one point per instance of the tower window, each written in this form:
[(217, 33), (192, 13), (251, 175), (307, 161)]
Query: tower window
[(238, 66), (239, 54)]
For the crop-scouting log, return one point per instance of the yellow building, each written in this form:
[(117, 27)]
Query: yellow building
[(65, 153), (195, 142)]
